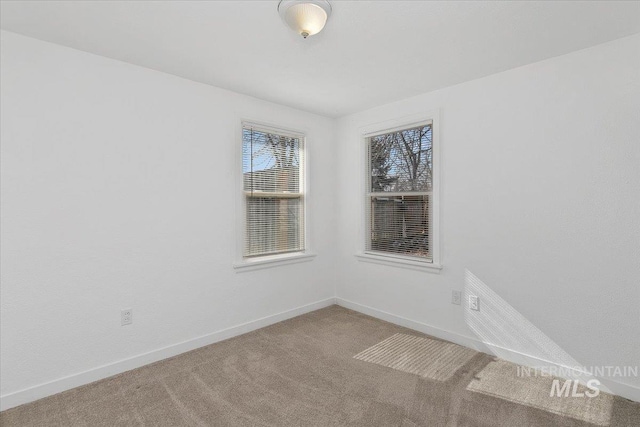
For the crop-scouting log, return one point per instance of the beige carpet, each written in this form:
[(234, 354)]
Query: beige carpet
[(499, 379), (436, 360), (300, 372)]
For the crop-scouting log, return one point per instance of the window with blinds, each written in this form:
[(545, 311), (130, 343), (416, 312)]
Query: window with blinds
[(272, 163), (400, 193)]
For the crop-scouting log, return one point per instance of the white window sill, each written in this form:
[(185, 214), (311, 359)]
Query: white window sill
[(269, 261), (399, 261)]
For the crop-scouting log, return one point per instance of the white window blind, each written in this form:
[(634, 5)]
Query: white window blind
[(400, 193), (272, 163)]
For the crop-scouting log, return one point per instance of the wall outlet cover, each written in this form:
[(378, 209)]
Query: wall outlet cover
[(456, 297), (126, 316)]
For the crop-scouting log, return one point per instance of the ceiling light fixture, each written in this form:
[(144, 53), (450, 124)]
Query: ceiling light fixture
[(305, 17)]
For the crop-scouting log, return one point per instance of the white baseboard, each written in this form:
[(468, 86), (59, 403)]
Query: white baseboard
[(47, 389), (627, 391)]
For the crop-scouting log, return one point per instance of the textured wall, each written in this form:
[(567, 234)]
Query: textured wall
[(540, 210), (119, 190)]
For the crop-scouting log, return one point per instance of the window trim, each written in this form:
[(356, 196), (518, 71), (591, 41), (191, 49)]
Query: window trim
[(268, 261), (257, 262), (388, 126)]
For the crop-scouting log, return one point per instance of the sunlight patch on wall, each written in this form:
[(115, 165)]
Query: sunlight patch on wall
[(512, 337)]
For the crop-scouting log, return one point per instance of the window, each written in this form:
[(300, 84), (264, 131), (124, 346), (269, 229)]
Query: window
[(272, 170), (400, 193)]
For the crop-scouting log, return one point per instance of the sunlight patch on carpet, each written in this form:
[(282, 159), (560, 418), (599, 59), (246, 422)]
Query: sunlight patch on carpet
[(499, 379), (433, 359)]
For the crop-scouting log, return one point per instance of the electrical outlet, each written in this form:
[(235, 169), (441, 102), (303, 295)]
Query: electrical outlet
[(126, 316), (474, 302), (456, 297)]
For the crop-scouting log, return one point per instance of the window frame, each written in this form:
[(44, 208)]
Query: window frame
[(248, 263), (397, 260)]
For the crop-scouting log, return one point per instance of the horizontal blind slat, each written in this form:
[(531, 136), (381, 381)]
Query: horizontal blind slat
[(272, 181), (399, 197)]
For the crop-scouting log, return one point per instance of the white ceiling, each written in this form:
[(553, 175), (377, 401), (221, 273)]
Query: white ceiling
[(370, 53)]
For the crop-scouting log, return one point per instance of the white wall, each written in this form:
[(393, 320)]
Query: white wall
[(118, 191), (540, 203)]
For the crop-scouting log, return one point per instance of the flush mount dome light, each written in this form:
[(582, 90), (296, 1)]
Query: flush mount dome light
[(305, 17)]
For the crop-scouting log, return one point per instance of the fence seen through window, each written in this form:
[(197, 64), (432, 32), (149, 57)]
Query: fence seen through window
[(274, 200), (400, 192)]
